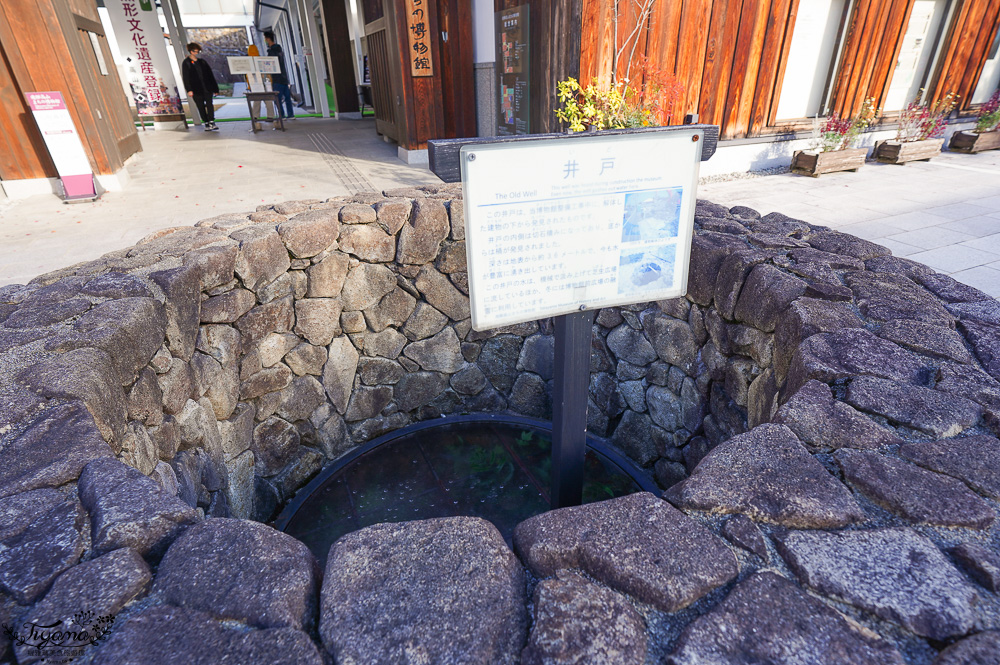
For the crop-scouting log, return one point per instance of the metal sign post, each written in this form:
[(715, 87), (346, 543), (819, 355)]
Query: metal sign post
[(564, 226)]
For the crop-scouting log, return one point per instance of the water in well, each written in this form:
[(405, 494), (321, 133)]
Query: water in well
[(495, 470)]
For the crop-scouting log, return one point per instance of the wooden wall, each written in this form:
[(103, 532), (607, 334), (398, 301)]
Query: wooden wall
[(730, 55), (345, 88), (968, 41), (44, 46)]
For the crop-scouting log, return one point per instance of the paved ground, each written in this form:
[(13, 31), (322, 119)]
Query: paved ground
[(182, 177), (944, 213)]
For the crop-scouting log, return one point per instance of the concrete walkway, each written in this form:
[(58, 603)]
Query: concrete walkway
[(182, 177), (944, 213)]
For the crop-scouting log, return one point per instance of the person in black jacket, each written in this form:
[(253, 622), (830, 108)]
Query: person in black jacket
[(199, 81), (280, 81)]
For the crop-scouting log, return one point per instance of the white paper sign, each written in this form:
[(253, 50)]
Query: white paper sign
[(241, 64), (559, 225), (267, 65)]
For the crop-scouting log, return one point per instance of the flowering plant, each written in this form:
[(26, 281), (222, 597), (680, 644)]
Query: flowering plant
[(989, 114), (645, 100), (840, 133), (918, 121)]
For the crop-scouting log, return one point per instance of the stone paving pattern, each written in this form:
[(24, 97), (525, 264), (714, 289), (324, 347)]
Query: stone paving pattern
[(822, 416)]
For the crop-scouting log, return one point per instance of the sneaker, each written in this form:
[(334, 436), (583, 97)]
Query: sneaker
[(214, 127), (207, 126)]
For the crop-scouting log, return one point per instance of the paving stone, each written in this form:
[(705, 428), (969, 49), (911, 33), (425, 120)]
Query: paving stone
[(116, 285), (365, 285), (265, 381), (421, 236), (665, 407), (241, 570), (804, 318), (765, 296), (530, 396), (215, 265), (164, 635), (928, 339), (669, 565), (128, 509), (577, 621), (630, 345), (130, 330), (53, 450), (392, 310), (368, 243), (424, 322), (356, 213), (317, 320), (262, 256), (416, 389), (274, 444), (883, 297), (391, 214), (975, 460), (40, 537), (338, 374), (895, 574), (306, 359), (440, 353), (442, 294), (985, 341), (498, 361), (732, 275), (767, 475), (832, 356), (387, 344), (326, 278), (823, 423), (311, 232), (538, 355), (919, 496), (980, 649), (937, 413), (708, 251), (102, 586), (367, 401), (741, 531), (451, 258), (375, 371), (302, 396), (40, 314), (223, 343), (227, 307), (87, 375), (982, 564), (182, 289), (796, 629), (273, 317), (444, 590), (836, 242)]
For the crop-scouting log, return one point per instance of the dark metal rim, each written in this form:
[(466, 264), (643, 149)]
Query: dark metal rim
[(599, 446)]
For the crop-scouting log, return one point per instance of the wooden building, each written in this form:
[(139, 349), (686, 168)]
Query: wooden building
[(46, 45)]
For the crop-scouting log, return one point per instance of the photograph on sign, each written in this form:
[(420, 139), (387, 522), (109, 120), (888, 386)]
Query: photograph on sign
[(241, 64), (267, 65), (558, 225)]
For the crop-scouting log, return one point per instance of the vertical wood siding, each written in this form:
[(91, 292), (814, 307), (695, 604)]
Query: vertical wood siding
[(967, 45)]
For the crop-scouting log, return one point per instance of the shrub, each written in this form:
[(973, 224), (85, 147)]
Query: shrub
[(989, 114), (841, 133), (920, 121)]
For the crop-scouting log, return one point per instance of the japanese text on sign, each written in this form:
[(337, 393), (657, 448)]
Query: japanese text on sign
[(418, 27), (560, 225)]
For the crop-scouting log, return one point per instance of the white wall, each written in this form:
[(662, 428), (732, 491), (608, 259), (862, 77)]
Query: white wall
[(483, 31)]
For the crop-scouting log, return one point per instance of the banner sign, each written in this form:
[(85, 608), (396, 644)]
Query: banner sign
[(560, 225), (418, 29), (513, 64), (140, 39), (63, 142)]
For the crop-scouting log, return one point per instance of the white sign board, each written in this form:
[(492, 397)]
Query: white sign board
[(267, 65), (61, 138), (555, 226), (241, 64)]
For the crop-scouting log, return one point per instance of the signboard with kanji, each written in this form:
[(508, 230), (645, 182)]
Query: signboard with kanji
[(140, 39), (513, 68), (418, 29), (561, 225)]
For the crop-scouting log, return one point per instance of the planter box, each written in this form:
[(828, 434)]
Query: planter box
[(972, 142), (814, 164), (900, 152)]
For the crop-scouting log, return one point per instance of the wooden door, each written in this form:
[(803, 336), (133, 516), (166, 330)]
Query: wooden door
[(385, 77)]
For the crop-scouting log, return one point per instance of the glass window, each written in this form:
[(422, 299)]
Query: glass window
[(915, 53), (989, 80), (814, 43)]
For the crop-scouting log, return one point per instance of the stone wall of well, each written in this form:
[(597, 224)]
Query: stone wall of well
[(840, 403)]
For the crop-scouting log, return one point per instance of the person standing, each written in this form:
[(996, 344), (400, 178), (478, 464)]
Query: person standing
[(280, 81), (199, 81)]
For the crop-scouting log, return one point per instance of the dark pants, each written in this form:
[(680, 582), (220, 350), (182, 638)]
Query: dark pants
[(284, 96), (205, 107)]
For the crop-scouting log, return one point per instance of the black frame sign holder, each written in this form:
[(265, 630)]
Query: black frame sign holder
[(563, 225)]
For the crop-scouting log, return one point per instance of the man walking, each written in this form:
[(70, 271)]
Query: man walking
[(280, 81), (199, 81)]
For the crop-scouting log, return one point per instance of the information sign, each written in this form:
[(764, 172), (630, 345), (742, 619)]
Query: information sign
[(577, 223), (61, 138), (513, 58), (241, 64), (418, 30)]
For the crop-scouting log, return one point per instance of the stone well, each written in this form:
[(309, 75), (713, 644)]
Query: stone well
[(822, 417)]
